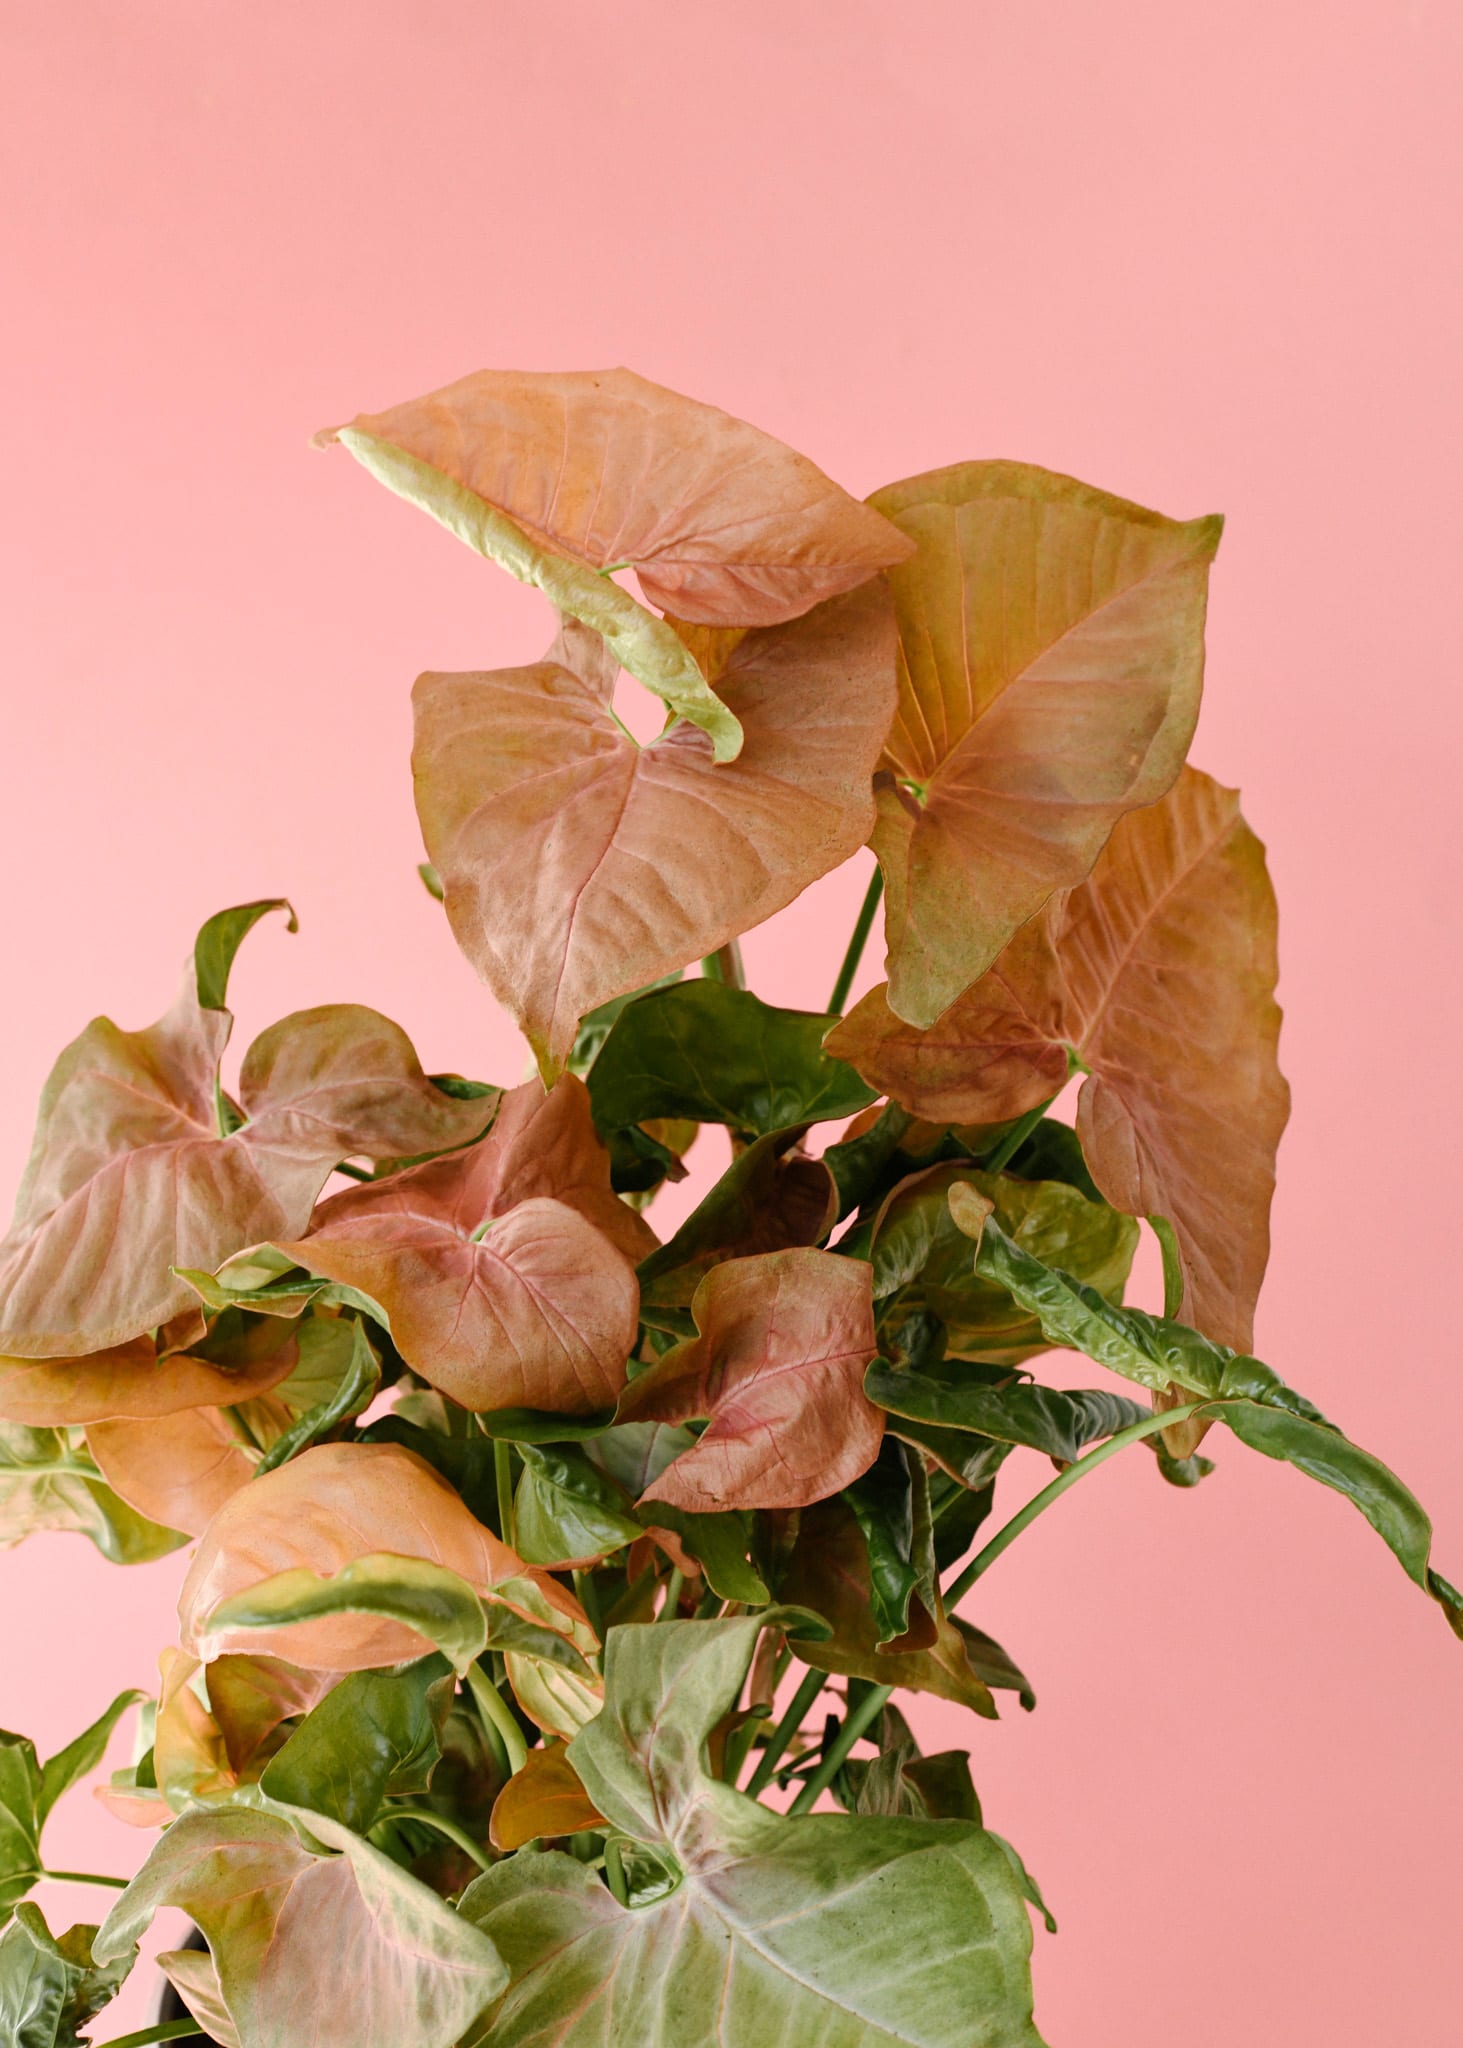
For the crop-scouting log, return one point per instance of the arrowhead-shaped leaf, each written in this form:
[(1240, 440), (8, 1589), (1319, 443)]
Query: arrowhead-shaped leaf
[(402, 1966), (1051, 657), (175, 1469), (131, 1382), (561, 477), (1160, 971), (578, 865), (140, 1166), (778, 1369), (376, 1734), (849, 1932), (499, 1289)]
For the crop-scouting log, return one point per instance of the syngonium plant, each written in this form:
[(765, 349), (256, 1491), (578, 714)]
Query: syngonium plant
[(547, 1575)]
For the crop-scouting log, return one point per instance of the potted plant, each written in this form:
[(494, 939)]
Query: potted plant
[(548, 1575)]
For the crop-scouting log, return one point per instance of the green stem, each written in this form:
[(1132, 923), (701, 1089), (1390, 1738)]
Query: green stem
[(449, 1828), (857, 943), (353, 1172), (494, 1710), (587, 1594), (1006, 1536), (62, 1469), (799, 1707), (868, 1710), (1016, 1137), (503, 1477), (726, 965), (672, 1601), (615, 1870), (169, 2030), (118, 1884)]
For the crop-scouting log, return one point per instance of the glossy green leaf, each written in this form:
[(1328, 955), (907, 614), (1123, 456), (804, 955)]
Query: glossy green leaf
[(720, 1055), (46, 1482), (1053, 1151), (1061, 1424), (352, 1393), (861, 1165), (566, 1511), (719, 1544), (50, 1989), (375, 1735), (343, 1941), (595, 1028), (891, 1503), (82, 1755), (220, 939), (1248, 1395), (20, 1824), (848, 1932)]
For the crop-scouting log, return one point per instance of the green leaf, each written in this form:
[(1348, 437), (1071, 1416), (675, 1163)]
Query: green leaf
[(860, 1165), (376, 1735), (595, 1028), (1053, 1151), (715, 1054), (82, 1755), (220, 939), (20, 1819), (352, 1394), (891, 1502), (343, 1945), (719, 1544), (848, 1932), (1249, 1396), (50, 1988), (1030, 1889), (47, 1483), (1061, 1424), (567, 1511), (427, 1597)]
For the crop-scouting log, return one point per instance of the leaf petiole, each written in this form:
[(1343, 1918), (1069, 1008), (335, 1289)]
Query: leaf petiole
[(798, 1709), (856, 944), (169, 2030), (493, 1708), (446, 1827)]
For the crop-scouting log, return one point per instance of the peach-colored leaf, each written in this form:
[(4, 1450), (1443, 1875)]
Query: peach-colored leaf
[(1160, 971), (1051, 657), (402, 1966), (578, 866), (829, 1572), (771, 1197), (559, 477), (176, 1469), (499, 1289), (131, 1174), (777, 1367), (130, 1382), (544, 1799), (192, 1974), (320, 1512)]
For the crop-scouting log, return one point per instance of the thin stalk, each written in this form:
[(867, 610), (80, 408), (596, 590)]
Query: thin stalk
[(491, 1705), (1006, 1536), (449, 1828), (672, 1601), (167, 2030), (856, 944), (118, 1884), (503, 1478), (1016, 1137), (726, 965), (615, 1870), (866, 1712), (60, 1470), (799, 1707), (587, 1594)]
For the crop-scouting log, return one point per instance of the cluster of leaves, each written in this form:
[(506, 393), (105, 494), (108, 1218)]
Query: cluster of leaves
[(547, 1574)]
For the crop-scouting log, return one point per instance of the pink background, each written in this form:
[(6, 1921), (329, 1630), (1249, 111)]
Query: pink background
[(1206, 258)]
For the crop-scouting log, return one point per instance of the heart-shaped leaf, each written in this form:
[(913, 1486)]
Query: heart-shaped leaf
[(403, 1966), (566, 1512), (175, 1469), (771, 1198), (375, 1735), (562, 477), (578, 865), (1160, 972), (1051, 656), (140, 1165), (50, 1989), (1060, 1424), (848, 1932), (542, 1800), (720, 1055), (778, 1369), (501, 1295), (324, 1511)]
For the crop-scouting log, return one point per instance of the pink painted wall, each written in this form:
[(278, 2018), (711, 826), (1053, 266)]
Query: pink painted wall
[(1204, 257)]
